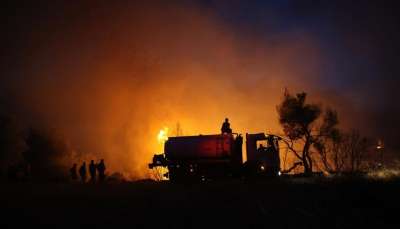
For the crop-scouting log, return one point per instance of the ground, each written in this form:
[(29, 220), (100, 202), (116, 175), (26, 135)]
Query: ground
[(278, 203)]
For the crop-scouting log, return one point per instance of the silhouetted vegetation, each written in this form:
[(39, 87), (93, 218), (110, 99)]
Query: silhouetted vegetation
[(46, 155), (313, 137), (346, 152), (300, 124), (11, 143)]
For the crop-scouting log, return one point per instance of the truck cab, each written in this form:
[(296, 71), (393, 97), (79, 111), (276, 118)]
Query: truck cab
[(262, 154)]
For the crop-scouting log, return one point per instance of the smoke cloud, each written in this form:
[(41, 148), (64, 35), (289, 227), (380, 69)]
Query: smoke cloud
[(110, 77)]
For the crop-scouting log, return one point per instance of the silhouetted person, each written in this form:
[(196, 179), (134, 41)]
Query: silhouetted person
[(273, 147), (82, 172), (271, 142), (92, 171), (101, 168), (226, 127), (73, 172), (261, 148)]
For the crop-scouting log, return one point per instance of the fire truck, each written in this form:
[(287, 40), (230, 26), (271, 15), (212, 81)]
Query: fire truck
[(219, 156)]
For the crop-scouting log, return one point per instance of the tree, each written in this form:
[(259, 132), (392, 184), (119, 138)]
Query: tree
[(46, 154), (355, 148), (10, 142), (332, 154), (346, 153), (359, 148), (305, 125)]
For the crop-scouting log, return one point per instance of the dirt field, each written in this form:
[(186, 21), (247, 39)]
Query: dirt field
[(288, 203)]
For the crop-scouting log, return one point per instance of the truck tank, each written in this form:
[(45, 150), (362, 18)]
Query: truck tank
[(202, 156), (210, 147)]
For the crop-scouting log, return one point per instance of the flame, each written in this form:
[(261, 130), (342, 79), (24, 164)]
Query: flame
[(162, 136)]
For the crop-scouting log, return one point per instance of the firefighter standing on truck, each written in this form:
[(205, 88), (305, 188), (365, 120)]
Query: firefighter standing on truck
[(226, 127)]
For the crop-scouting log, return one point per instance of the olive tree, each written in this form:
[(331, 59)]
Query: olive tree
[(304, 125)]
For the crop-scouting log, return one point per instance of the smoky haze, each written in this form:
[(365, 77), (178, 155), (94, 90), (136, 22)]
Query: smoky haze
[(110, 77)]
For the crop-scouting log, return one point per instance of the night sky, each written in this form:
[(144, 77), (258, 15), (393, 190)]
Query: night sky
[(345, 53), (359, 39)]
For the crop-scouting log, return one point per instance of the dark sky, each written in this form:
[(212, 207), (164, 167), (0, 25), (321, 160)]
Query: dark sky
[(359, 41), (360, 37)]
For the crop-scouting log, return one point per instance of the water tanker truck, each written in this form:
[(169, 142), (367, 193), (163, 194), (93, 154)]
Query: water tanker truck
[(210, 157)]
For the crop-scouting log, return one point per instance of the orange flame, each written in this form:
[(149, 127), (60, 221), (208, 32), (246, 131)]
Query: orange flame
[(162, 136)]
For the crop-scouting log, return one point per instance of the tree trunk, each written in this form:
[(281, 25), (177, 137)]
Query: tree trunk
[(307, 163)]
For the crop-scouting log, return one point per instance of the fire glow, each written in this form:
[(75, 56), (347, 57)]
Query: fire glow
[(146, 78), (162, 136)]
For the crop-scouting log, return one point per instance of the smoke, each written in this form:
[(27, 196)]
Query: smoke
[(110, 77)]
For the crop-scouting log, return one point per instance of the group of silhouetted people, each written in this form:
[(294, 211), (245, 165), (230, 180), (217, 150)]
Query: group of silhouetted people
[(96, 171)]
